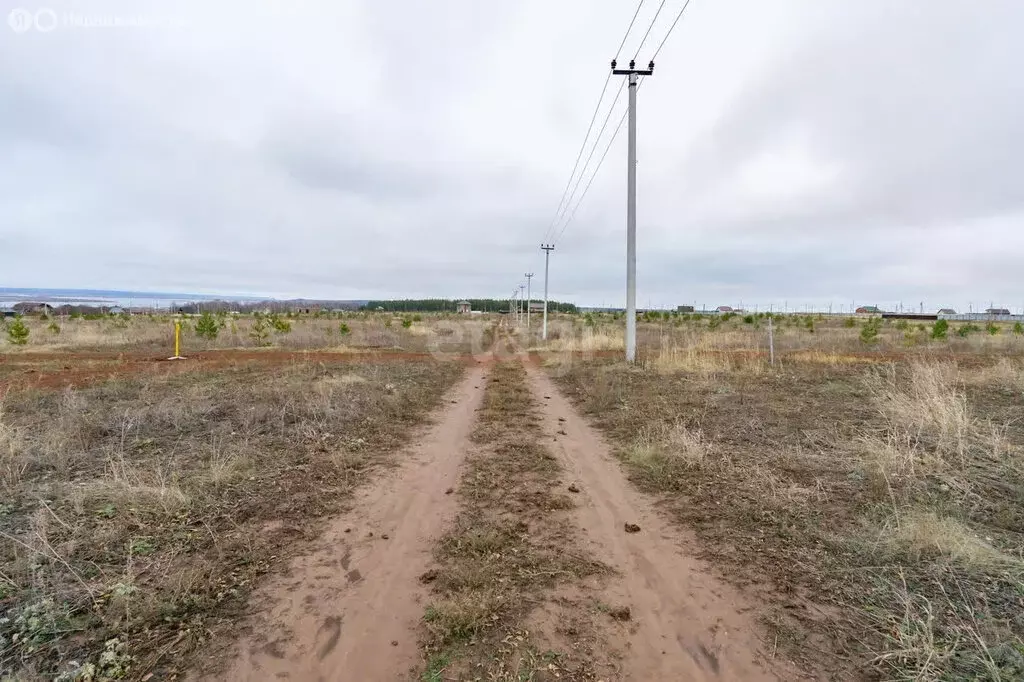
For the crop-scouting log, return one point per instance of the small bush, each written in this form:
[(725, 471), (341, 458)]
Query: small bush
[(417, 318), (992, 328), (849, 323), (54, 328), (809, 323), (279, 325), (748, 319), (260, 331), (869, 332), (902, 325), (17, 332), (1018, 328), (965, 330), (207, 326), (940, 329), (343, 329), (407, 323), (588, 319)]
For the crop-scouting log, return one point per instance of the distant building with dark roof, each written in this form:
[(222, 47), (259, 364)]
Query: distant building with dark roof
[(997, 311), (868, 310), (947, 311)]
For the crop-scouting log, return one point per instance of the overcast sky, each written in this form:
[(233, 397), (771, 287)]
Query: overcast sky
[(807, 151)]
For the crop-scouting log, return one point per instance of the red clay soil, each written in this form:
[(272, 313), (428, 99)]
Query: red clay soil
[(56, 370)]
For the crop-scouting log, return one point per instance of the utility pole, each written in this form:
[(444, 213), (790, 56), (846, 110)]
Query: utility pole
[(632, 74), (548, 248), (529, 298), (522, 288)]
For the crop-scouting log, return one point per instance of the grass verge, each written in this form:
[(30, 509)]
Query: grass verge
[(878, 508)]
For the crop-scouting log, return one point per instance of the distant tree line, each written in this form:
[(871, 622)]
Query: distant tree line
[(437, 305)]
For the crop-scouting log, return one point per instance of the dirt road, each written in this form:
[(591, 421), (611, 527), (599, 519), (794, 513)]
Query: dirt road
[(353, 608), (688, 625), (350, 609)]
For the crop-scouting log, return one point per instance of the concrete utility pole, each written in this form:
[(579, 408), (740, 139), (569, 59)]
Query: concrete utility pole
[(548, 248), (632, 73), (529, 297)]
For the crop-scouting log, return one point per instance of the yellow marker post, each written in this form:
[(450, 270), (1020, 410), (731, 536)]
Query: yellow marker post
[(177, 341)]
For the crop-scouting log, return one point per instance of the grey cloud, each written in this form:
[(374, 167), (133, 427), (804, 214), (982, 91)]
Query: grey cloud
[(364, 149)]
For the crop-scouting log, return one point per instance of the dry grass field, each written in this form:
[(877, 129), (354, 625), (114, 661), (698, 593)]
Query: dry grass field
[(869, 487), (140, 506)]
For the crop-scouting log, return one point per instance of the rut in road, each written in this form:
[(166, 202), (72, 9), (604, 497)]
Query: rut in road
[(685, 623), (350, 609)]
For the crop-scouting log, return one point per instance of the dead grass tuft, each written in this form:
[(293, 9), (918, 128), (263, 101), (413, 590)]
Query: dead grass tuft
[(663, 450), (926, 406), (923, 533)]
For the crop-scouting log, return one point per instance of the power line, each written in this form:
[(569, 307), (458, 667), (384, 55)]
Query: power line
[(560, 210), (675, 21), (596, 171), (649, 30), (586, 164), (678, 17), (641, 4)]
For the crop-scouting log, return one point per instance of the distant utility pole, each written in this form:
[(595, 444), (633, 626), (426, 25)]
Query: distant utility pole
[(529, 299), (632, 74), (548, 248), (522, 288)]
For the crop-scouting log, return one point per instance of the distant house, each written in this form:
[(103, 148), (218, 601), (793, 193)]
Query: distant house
[(724, 309), (8, 312), (116, 310), (997, 311), (684, 308), (463, 307), (947, 311), (868, 310), (26, 308), (536, 306)]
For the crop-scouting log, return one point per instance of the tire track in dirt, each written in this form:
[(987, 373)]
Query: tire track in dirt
[(349, 610), (685, 623)]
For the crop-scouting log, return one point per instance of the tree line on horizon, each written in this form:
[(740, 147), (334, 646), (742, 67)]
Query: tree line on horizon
[(437, 305)]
